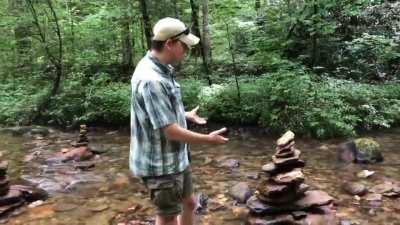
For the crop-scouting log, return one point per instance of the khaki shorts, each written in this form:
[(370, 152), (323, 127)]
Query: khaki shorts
[(167, 192)]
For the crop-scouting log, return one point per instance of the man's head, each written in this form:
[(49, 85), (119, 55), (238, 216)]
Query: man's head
[(172, 39)]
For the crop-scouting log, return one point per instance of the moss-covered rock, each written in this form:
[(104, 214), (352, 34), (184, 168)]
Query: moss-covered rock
[(368, 150), (361, 150)]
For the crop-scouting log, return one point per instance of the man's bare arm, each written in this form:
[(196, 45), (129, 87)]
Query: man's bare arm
[(177, 133)]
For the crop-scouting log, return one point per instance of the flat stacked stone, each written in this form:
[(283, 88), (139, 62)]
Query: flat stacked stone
[(282, 193)]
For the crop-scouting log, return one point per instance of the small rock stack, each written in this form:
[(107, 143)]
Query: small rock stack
[(14, 196), (9, 199), (82, 139), (283, 195), (4, 183)]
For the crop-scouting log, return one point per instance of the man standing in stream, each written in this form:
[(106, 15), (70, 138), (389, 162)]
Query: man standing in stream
[(159, 135)]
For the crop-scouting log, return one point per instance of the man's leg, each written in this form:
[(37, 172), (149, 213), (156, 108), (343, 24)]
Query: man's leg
[(166, 220), (189, 205)]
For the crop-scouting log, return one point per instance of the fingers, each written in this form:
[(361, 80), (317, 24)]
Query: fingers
[(195, 109), (220, 131), (200, 120)]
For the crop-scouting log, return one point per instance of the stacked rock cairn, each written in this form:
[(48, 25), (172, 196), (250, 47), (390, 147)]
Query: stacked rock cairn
[(82, 138), (14, 196), (282, 197)]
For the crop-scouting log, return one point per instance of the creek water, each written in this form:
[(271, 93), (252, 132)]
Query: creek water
[(108, 194)]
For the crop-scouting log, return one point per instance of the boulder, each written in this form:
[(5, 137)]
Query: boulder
[(361, 150)]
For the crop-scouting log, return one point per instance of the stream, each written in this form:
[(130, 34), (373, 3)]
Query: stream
[(102, 191)]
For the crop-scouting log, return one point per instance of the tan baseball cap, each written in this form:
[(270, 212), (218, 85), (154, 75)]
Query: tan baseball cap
[(170, 28)]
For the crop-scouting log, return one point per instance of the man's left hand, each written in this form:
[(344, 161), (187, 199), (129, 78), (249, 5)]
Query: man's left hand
[(193, 117)]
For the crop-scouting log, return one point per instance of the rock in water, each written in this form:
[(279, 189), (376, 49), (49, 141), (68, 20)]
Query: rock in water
[(361, 150), (355, 188), (241, 192)]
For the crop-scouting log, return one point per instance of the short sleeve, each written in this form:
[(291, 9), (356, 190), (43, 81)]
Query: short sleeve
[(158, 104)]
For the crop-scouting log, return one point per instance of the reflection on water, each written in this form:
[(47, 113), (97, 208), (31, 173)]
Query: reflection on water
[(117, 195)]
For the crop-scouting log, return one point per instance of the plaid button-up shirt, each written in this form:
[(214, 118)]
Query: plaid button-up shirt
[(156, 102)]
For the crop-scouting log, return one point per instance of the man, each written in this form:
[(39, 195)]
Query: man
[(159, 135)]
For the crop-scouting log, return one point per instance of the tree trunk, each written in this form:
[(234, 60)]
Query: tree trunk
[(314, 38), (56, 59), (206, 34), (126, 39), (199, 49), (176, 9), (257, 6), (195, 25), (22, 34), (146, 22), (228, 36)]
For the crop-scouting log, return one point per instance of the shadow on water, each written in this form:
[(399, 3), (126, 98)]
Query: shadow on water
[(116, 194)]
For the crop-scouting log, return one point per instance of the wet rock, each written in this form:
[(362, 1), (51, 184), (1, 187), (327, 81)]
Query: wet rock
[(6, 209), (84, 165), (347, 222), (98, 148), (355, 188), (326, 216), (13, 196), (36, 204), (362, 150), (241, 192), (229, 164), (295, 176), (286, 162), (121, 180), (31, 193), (76, 154), (387, 188), (50, 186), (253, 175), (314, 198), (272, 169), (99, 207), (374, 199), (240, 212), (365, 174), (42, 131), (285, 219), (64, 207), (270, 188)]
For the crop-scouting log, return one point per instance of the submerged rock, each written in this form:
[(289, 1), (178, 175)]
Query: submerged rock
[(229, 164), (355, 188), (241, 192)]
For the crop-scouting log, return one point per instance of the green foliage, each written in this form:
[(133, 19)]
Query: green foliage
[(100, 101), (297, 100), (298, 46), (371, 57), (18, 100)]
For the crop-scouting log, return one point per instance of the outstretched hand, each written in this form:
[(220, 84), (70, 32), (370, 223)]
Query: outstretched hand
[(217, 138), (193, 117)]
